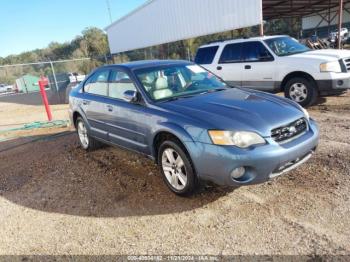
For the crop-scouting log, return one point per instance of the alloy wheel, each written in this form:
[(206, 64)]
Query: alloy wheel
[(83, 135), (174, 169)]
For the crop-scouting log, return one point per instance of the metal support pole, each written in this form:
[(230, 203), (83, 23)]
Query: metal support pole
[(54, 75), (261, 28), (340, 22)]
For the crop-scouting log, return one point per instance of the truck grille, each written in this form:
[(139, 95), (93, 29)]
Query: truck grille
[(290, 131), (347, 63)]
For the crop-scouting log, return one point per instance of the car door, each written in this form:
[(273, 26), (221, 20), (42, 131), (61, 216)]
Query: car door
[(229, 66), (258, 67), (127, 121), (93, 104)]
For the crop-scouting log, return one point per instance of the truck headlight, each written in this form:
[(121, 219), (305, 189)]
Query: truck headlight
[(242, 139), (330, 67)]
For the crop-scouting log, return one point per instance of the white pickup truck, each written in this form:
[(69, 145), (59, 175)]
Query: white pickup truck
[(279, 63)]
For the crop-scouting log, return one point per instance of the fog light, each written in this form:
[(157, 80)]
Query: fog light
[(340, 82), (237, 172)]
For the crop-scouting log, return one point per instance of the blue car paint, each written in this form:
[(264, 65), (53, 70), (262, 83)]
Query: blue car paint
[(135, 126)]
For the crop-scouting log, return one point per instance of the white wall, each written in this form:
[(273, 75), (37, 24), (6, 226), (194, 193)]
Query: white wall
[(311, 21), (163, 21)]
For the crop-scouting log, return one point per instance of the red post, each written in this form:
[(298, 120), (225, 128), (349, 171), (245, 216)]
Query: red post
[(42, 83)]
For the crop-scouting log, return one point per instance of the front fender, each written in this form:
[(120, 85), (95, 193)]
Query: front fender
[(173, 129)]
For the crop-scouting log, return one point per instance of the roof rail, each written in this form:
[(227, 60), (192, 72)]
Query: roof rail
[(223, 40), (215, 41)]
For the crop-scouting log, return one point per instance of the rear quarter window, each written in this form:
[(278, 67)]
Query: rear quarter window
[(206, 55)]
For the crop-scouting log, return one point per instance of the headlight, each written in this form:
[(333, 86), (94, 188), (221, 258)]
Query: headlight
[(241, 139), (330, 67), (306, 113)]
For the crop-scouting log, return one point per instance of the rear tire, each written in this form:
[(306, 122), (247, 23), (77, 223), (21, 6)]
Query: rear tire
[(176, 167), (86, 141), (301, 90)]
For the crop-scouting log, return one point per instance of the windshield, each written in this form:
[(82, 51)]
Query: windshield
[(178, 81), (283, 46)]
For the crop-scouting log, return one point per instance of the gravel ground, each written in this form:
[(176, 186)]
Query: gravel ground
[(57, 199)]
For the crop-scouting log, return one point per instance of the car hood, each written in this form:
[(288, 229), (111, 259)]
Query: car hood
[(237, 109), (324, 54)]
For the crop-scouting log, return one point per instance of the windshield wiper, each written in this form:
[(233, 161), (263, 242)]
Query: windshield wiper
[(176, 98), (213, 90), (294, 53), (192, 95)]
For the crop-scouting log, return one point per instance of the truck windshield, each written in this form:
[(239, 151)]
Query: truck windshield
[(178, 81), (283, 46)]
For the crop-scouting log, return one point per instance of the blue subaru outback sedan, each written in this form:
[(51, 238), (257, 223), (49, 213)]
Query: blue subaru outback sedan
[(195, 126)]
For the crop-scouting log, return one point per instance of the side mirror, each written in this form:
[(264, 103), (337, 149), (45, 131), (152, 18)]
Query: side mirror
[(131, 96)]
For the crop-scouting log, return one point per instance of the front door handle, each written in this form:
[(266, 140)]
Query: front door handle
[(110, 108), (85, 102), (219, 67), (247, 67)]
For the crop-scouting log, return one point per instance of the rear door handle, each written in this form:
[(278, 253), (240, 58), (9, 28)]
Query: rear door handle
[(109, 108), (85, 102), (247, 67), (219, 67)]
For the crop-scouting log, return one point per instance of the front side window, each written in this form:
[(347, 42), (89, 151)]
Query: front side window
[(119, 83), (205, 55), (255, 52), (231, 53), (283, 46), (178, 81), (97, 83)]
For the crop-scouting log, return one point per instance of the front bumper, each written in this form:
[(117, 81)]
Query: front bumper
[(336, 85), (215, 163)]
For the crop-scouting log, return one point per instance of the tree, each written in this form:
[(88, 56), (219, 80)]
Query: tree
[(96, 42)]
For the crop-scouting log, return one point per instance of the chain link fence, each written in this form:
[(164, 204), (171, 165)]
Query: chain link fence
[(62, 75)]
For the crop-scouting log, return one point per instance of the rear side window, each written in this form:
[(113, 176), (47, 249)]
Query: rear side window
[(231, 53), (255, 51), (119, 83), (206, 55), (98, 83)]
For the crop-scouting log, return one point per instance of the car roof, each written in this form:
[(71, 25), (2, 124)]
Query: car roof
[(149, 63), (240, 40)]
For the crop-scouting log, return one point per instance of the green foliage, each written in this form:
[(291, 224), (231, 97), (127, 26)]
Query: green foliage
[(92, 43)]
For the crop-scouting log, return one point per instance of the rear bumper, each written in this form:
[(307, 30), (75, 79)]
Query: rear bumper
[(215, 163)]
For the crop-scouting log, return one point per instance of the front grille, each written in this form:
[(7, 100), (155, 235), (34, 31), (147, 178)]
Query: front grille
[(290, 131), (347, 63)]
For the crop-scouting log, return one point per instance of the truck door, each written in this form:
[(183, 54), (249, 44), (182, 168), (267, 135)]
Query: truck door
[(258, 67), (229, 66)]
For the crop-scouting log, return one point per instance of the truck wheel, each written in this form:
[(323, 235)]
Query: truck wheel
[(301, 90), (177, 170), (86, 141)]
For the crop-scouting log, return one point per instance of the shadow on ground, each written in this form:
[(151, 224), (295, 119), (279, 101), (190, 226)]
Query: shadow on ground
[(53, 174)]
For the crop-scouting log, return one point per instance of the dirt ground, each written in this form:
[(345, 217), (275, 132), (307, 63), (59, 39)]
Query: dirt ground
[(57, 199)]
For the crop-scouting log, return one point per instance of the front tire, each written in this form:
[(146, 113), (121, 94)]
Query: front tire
[(176, 167), (301, 90), (86, 141)]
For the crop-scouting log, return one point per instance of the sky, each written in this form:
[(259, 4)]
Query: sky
[(26, 25)]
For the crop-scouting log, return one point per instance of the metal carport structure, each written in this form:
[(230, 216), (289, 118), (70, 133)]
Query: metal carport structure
[(274, 9), (163, 21)]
